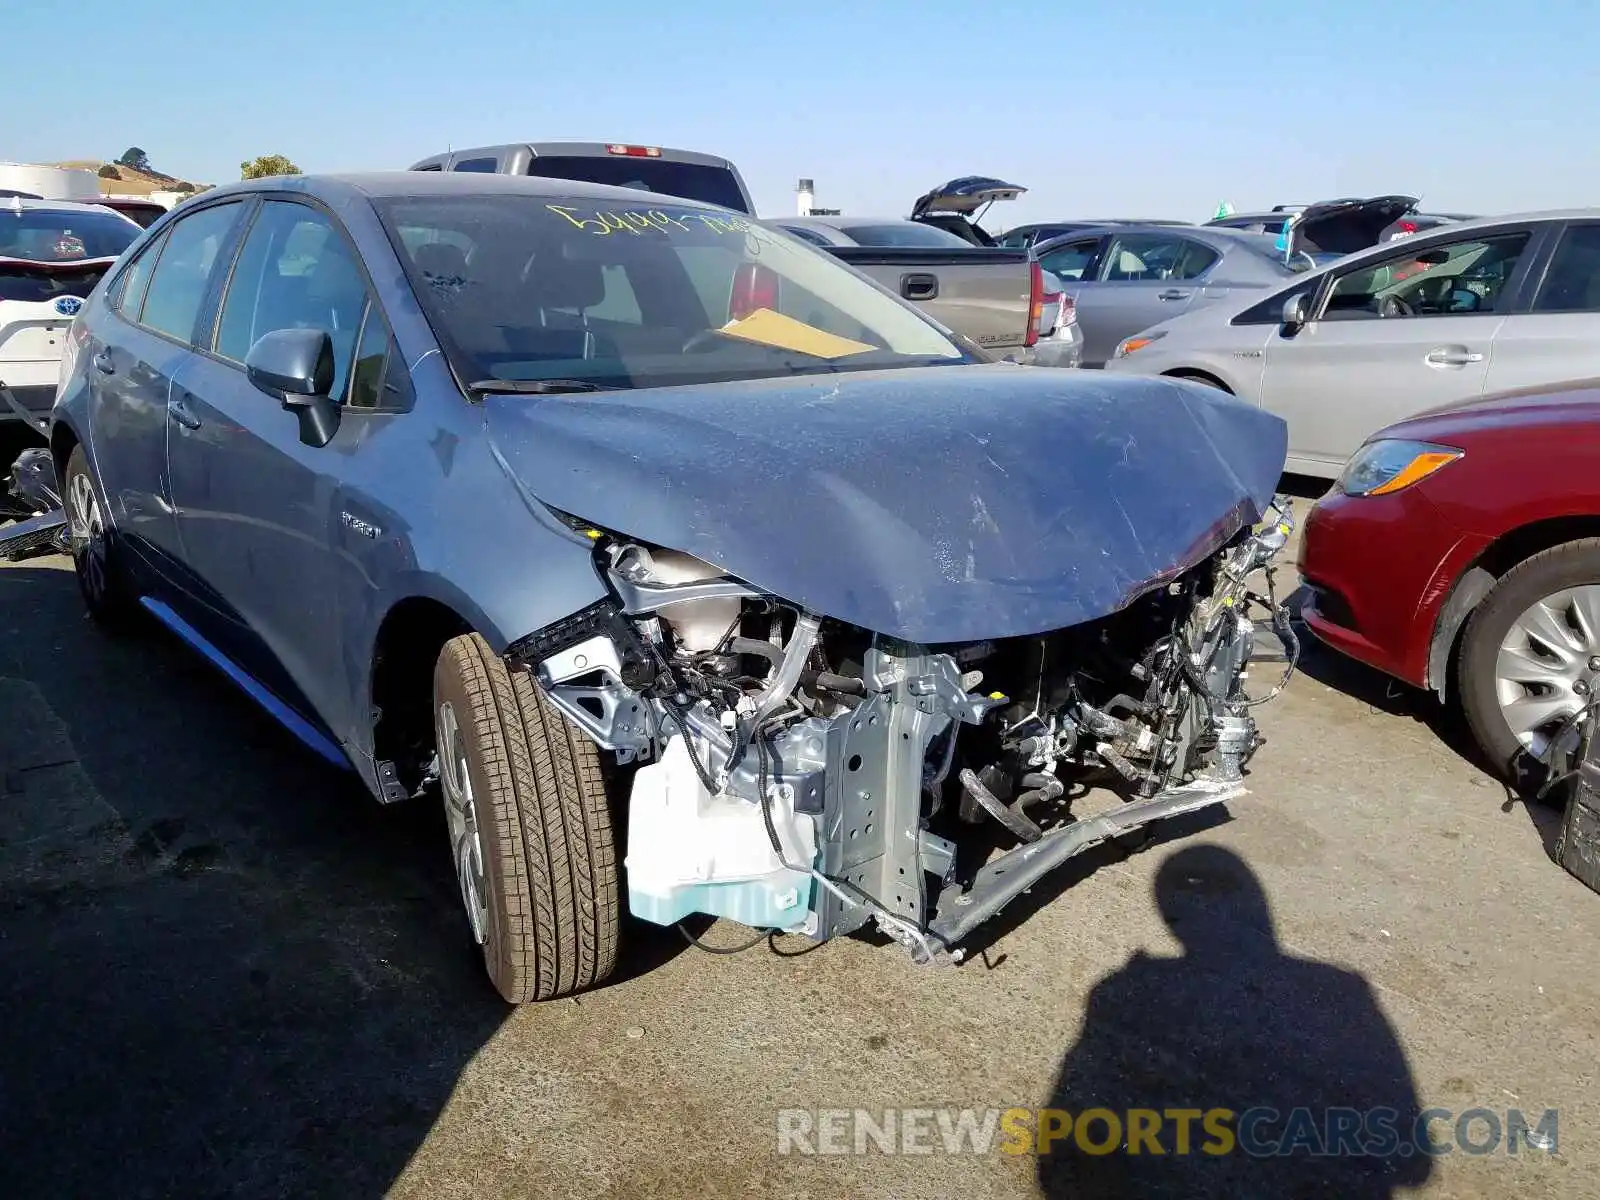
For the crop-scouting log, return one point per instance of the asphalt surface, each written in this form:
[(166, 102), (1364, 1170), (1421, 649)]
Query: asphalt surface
[(224, 971)]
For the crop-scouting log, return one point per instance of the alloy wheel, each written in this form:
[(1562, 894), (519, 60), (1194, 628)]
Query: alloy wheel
[(461, 813), (1548, 664), (87, 535)]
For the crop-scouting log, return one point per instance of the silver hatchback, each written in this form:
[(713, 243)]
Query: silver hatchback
[(1465, 310)]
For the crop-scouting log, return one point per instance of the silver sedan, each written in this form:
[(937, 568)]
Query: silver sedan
[(1126, 278)]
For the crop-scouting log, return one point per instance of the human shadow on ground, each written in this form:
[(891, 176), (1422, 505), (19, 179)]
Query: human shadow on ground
[(1296, 1050)]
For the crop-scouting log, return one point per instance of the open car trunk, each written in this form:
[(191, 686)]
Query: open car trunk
[(1336, 227), (954, 206)]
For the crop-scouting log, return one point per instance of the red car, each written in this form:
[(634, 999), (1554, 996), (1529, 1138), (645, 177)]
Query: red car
[(1460, 552)]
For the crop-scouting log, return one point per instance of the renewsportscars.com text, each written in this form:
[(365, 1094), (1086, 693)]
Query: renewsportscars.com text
[(1259, 1132)]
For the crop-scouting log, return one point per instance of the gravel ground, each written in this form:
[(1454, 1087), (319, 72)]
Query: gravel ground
[(224, 971)]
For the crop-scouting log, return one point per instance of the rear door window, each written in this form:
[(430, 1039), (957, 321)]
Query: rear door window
[(487, 166), (1149, 257), (1572, 284), (129, 293), (64, 235), (691, 181), (177, 289)]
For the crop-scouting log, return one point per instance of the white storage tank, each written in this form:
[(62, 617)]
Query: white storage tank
[(50, 183)]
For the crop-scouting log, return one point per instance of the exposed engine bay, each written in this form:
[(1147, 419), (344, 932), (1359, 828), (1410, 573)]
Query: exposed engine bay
[(794, 772)]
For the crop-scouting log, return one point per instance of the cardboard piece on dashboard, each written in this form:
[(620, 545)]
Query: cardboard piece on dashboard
[(770, 328)]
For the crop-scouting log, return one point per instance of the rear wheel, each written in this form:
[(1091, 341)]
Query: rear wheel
[(94, 559), (1530, 655), (530, 828)]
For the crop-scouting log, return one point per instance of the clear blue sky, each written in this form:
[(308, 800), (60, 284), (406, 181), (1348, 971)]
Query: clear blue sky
[(1162, 108)]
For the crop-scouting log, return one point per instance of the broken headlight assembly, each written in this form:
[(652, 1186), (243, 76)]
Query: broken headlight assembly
[(794, 772)]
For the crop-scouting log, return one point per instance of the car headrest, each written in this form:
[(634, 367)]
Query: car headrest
[(558, 281)]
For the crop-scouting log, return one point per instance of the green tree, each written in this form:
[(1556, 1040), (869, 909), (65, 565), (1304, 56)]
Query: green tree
[(265, 165), (135, 158), (109, 172)]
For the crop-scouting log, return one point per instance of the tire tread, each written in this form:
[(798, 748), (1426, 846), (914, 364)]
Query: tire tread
[(545, 794)]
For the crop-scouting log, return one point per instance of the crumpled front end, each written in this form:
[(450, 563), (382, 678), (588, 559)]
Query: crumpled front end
[(795, 772)]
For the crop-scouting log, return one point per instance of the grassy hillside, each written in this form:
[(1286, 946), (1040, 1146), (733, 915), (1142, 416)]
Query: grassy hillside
[(130, 182)]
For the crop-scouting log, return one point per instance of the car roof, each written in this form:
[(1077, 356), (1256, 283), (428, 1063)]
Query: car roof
[(14, 203), (399, 184), (1451, 230), (582, 148), (1218, 236), (847, 222)]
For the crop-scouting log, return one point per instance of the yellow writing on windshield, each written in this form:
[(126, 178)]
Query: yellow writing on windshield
[(785, 333), (637, 222)]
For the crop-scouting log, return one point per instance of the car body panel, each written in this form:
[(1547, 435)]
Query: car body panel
[(1528, 460), (1335, 381), (1372, 615), (1070, 466)]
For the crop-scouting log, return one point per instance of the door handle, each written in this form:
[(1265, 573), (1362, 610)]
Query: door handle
[(1452, 356), (1173, 294), (178, 411), (103, 364), (918, 286)]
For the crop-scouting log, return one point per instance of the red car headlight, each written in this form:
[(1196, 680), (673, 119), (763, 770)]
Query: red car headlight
[(1390, 465)]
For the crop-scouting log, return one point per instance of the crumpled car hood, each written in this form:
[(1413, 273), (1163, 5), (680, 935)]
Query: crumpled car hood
[(933, 504)]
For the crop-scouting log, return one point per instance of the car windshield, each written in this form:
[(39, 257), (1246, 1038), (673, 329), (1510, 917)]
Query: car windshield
[(905, 233), (54, 235), (530, 288)]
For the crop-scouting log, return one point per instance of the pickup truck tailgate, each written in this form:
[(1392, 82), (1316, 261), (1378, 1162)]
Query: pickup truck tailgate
[(984, 294)]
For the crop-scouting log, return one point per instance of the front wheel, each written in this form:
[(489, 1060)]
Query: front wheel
[(530, 827), (1530, 655), (89, 538)]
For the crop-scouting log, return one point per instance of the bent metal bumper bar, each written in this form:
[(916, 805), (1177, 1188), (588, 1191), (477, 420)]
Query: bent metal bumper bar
[(1016, 871)]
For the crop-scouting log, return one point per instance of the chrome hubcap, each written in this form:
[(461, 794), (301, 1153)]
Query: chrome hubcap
[(462, 815), (87, 534), (1549, 664)]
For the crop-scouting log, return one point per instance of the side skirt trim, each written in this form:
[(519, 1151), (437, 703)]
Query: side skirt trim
[(286, 716)]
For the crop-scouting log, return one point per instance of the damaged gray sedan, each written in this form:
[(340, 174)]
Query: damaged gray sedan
[(691, 569)]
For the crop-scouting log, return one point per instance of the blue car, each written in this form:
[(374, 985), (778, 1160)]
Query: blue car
[(688, 569)]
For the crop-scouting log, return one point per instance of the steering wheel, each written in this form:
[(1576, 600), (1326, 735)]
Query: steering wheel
[(1392, 306), (699, 343)]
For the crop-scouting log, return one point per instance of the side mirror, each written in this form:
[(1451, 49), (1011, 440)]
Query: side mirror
[(1296, 312), (296, 367)]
